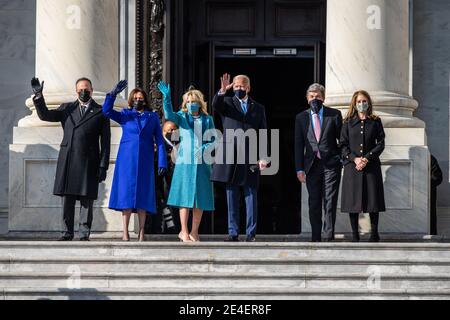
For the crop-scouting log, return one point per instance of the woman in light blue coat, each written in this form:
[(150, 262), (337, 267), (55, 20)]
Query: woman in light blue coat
[(191, 183)]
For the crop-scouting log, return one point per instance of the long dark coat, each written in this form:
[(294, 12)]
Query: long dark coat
[(84, 150), (233, 118), (362, 191)]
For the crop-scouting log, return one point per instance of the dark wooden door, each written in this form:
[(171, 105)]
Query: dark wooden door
[(194, 24)]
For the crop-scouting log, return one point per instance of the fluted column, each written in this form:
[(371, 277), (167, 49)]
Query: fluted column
[(368, 48), (74, 39)]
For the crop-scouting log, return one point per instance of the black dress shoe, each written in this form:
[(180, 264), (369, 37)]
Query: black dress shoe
[(374, 238), (65, 238), (232, 239), (84, 239), (328, 240), (356, 237), (250, 239)]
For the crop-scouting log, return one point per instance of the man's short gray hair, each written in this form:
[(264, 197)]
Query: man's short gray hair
[(316, 87), (243, 77)]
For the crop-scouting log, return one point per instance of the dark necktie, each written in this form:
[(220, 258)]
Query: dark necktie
[(83, 111)]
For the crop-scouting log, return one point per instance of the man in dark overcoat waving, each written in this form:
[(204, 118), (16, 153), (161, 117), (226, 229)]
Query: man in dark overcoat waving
[(241, 116), (84, 154)]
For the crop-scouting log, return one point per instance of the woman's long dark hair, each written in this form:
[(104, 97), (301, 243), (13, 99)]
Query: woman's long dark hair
[(131, 98)]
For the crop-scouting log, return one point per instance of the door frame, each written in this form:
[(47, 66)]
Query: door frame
[(180, 52), (215, 51), (316, 45), (181, 56)]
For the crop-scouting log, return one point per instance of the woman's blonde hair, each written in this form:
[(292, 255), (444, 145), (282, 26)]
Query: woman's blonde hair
[(197, 96), (353, 112)]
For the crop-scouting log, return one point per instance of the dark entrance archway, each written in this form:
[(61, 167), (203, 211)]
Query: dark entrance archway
[(278, 83), (280, 44)]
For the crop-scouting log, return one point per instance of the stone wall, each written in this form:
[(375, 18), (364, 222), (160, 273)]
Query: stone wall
[(17, 65), (431, 88)]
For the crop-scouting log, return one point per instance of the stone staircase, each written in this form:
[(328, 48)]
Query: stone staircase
[(213, 270)]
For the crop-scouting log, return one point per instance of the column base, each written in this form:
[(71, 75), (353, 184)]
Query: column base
[(32, 206), (3, 222), (396, 110), (406, 186)]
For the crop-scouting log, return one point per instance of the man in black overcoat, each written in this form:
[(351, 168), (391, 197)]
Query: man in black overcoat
[(318, 161), (84, 154), (239, 113)]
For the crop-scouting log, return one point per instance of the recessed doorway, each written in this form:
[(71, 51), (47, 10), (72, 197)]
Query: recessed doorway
[(280, 85)]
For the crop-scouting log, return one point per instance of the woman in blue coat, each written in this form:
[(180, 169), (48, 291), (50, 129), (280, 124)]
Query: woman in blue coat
[(133, 188), (191, 183)]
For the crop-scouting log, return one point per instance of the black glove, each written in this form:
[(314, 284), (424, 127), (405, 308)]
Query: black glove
[(162, 172), (122, 85), (102, 173), (37, 87)]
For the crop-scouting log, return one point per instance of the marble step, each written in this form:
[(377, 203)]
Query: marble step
[(211, 251), (249, 294), (101, 280), (259, 265), (304, 237), (213, 270)]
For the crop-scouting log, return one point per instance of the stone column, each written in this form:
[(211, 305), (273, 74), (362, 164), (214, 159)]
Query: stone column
[(75, 38), (368, 48)]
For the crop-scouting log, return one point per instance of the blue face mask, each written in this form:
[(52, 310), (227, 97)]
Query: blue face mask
[(240, 94), (193, 107)]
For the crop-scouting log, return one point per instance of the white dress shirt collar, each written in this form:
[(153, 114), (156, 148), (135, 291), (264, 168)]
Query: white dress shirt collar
[(82, 104), (243, 100)]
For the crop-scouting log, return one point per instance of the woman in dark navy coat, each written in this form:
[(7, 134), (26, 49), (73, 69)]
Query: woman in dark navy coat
[(363, 142), (133, 188)]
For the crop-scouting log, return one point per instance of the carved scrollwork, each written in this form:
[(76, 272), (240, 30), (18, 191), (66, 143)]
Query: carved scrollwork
[(150, 32), (157, 30)]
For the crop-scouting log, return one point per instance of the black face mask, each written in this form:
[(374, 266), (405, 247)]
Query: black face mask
[(173, 137), (138, 105), (240, 94), (84, 96), (316, 105)]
